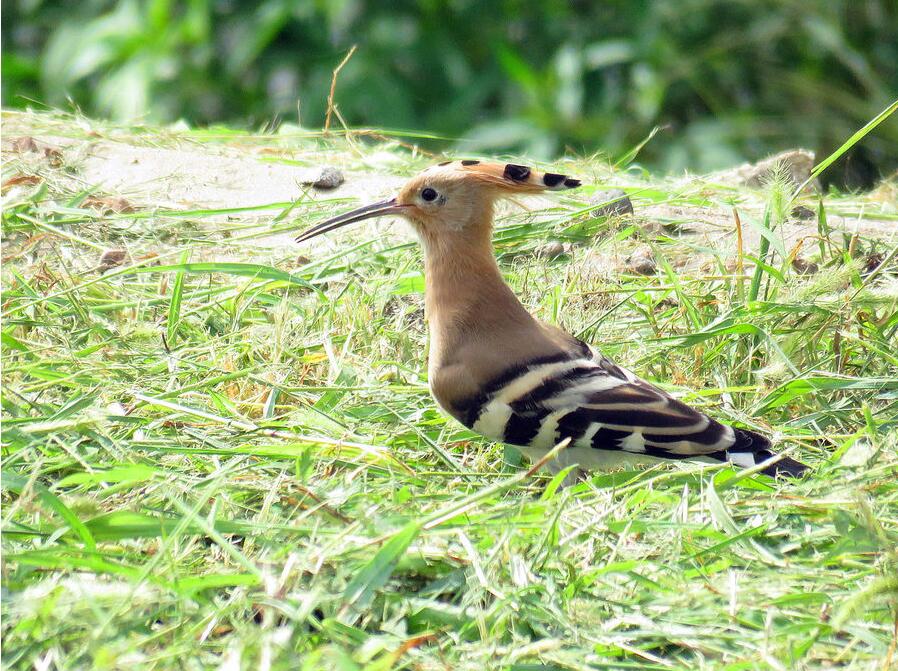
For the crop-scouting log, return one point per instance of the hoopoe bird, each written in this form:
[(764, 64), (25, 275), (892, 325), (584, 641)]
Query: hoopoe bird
[(512, 378)]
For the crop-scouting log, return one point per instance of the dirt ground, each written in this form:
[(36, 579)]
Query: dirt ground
[(174, 171)]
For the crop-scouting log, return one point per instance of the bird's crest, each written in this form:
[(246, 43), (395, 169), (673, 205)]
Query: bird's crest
[(511, 176)]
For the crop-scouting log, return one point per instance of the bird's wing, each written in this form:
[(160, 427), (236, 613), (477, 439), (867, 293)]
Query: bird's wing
[(596, 404)]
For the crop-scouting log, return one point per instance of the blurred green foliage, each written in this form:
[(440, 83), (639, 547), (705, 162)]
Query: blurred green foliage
[(729, 80)]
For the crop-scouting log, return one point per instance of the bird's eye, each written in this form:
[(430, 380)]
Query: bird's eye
[(429, 194)]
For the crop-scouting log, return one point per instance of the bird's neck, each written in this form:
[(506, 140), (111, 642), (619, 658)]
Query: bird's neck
[(466, 298)]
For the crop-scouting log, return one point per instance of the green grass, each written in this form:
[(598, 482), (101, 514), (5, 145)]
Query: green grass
[(233, 459)]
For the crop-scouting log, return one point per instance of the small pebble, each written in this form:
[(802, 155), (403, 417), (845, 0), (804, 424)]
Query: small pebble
[(803, 266), (53, 156), (621, 203), (27, 145), (24, 145), (112, 258), (328, 178), (872, 262), (550, 250), (797, 164), (642, 261)]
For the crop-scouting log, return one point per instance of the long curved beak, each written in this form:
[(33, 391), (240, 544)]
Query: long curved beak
[(380, 209)]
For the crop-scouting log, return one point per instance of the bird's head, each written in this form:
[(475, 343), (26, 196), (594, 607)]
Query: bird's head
[(452, 197)]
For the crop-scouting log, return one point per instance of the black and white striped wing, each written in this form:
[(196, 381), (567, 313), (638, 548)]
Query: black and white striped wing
[(596, 404)]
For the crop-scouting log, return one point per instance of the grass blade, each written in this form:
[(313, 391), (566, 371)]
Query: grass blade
[(253, 270), (19, 484), (360, 591), (845, 146), (174, 306)]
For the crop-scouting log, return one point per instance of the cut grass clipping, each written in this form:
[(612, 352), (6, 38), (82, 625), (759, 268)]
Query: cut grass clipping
[(218, 455)]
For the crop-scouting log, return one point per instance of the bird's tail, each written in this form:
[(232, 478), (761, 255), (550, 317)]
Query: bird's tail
[(750, 449)]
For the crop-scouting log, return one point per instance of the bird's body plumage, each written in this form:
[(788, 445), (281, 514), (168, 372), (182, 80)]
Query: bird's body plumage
[(610, 416), (512, 378)]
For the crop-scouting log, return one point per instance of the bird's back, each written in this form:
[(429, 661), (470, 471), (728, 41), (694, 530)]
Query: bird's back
[(610, 416)]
